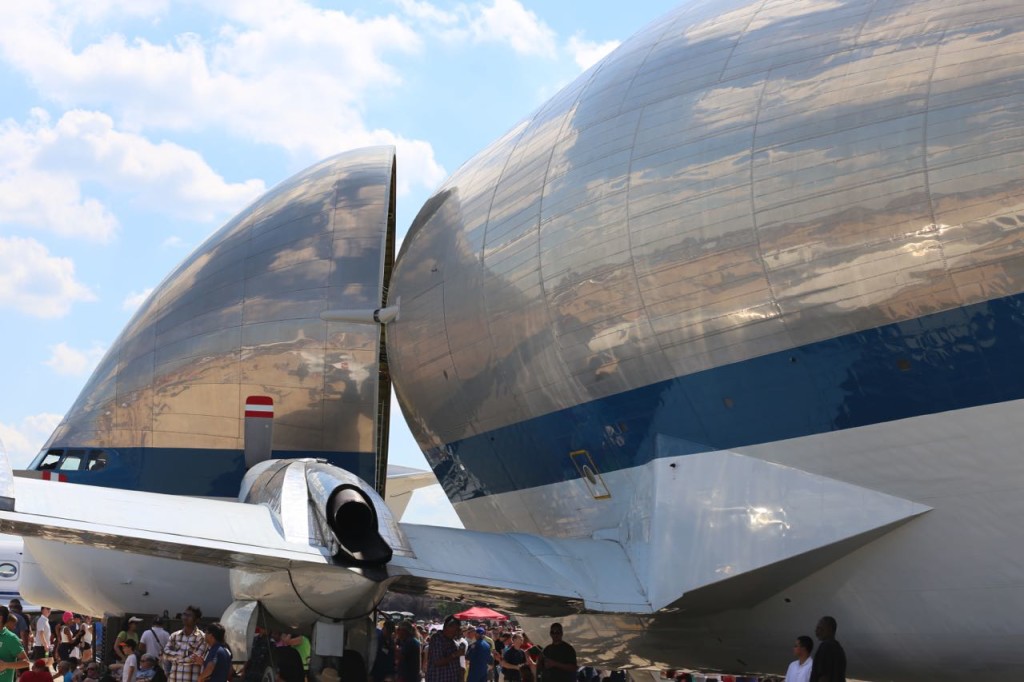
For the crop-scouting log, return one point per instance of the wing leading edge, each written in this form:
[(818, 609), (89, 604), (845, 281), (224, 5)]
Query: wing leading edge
[(536, 575)]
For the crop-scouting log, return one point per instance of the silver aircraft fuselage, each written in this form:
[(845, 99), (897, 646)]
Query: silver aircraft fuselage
[(780, 239)]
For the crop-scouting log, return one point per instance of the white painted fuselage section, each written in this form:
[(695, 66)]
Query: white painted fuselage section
[(944, 587), (109, 582)]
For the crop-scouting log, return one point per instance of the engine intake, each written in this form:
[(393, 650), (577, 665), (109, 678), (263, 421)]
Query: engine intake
[(348, 517), (353, 521)]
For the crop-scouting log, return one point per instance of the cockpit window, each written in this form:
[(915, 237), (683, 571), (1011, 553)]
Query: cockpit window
[(73, 460), (51, 460), (97, 460)]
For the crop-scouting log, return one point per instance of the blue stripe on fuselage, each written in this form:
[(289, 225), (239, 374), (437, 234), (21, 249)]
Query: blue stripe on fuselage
[(955, 359), (194, 471)]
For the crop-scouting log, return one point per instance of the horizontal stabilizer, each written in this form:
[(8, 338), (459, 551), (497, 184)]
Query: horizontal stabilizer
[(526, 574), (402, 482)]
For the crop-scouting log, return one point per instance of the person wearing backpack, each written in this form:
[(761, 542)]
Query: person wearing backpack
[(154, 640)]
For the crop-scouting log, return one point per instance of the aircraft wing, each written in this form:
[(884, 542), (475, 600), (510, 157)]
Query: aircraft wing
[(217, 532), (533, 574)]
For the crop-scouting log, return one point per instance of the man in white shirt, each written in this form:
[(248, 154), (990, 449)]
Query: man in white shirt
[(42, 635), (800, 669), (154, 640), (463, 643)]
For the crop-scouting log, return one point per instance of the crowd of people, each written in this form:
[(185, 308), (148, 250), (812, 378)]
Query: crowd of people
[(40, 650), (456, 651)]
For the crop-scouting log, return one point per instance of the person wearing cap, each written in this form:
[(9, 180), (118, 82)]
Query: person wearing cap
[(443, 653), (39, 672), (154, 640), (479, 658), (131, 631)]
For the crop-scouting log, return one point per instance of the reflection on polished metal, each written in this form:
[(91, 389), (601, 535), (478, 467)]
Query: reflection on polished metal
[(739, 179), (758, 234), (241, 317)]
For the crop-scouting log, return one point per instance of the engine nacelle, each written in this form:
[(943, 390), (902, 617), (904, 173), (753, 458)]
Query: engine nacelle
[(327, 506), (349, 508), (323, 506)]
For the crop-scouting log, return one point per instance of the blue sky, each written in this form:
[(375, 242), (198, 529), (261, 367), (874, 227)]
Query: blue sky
[(130, 130)]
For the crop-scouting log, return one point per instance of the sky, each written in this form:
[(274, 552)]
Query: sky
[(130, 130)]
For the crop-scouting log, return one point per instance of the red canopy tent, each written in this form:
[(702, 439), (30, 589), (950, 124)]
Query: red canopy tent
[(480, 613)]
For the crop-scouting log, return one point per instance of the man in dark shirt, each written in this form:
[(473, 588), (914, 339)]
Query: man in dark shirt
[(217, 662), (830, 660), (408, 647), (21, 629), (513, 660), (443, 654), (558, 661)]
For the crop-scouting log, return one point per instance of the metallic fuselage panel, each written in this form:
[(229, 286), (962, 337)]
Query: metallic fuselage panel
[(738, 180), (240, 317)]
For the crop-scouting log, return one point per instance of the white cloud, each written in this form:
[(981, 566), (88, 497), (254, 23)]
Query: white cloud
[(428, 13), (280, 73), (72, 362), (31, 196), (162, 175), (34, 282), (507, 21), (504, 22), (96, 10), (586, 53), (172, 242), (43, 166), (136, 298), (24, 440)]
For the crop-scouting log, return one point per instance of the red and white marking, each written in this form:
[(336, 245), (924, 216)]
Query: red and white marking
[(259, 406)]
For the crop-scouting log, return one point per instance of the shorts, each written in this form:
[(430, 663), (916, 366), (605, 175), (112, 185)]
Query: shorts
[(38, 652)]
